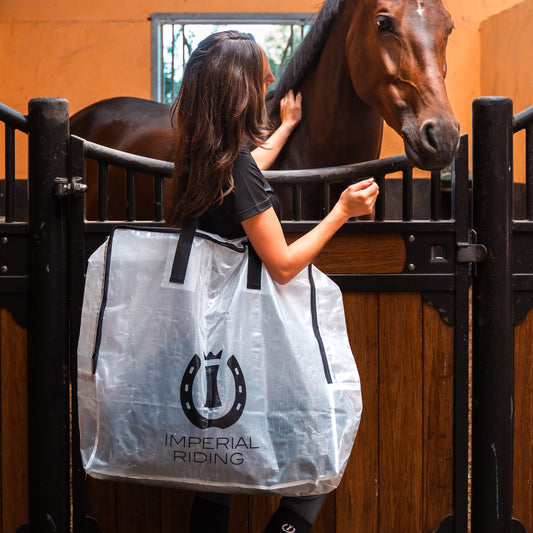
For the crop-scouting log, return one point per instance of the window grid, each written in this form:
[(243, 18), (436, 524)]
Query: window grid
[(174, 37)]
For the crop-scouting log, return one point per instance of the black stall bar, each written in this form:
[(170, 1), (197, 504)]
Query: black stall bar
[(492, 319), (48, 335)]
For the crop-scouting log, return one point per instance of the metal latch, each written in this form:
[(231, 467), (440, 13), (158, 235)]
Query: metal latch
[(471, 253), (64, 187)]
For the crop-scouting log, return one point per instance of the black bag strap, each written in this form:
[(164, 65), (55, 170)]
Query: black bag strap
[(254, 269), (183, 252)]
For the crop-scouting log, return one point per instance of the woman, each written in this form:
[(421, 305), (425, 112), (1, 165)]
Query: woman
[(220, 114)]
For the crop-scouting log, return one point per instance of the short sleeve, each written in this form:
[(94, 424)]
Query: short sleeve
[(251, 193)]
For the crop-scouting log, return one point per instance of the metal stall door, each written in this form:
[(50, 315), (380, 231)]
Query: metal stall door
[(430, 283), (48, 326), (502, 410), (436, 275)]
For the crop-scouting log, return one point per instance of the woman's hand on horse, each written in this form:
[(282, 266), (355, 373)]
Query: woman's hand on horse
[(290, 109), (291, 113), (359, 199)]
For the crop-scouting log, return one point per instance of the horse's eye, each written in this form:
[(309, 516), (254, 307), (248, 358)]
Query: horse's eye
[(385, 24)]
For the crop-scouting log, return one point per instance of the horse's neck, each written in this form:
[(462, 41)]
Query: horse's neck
[(337, 126)]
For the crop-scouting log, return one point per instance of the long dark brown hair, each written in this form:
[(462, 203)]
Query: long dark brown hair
[(219, 108)]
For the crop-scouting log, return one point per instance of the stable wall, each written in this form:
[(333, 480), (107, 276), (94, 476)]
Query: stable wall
[(507, 65), (101, 48)]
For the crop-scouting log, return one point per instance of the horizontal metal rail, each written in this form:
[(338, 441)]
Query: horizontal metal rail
[(354, 171), (13, 118), (126, 160), (330, 175), (522, 119)]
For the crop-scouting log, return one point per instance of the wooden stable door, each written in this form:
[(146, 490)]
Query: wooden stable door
[(13, 423), (399, 477)]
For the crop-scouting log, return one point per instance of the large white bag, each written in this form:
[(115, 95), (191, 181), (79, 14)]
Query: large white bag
[(196, 370)]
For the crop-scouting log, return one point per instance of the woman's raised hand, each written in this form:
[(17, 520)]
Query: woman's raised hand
[(290, 109), (359, 199)]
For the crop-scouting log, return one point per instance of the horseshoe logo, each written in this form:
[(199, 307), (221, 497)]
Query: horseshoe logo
[(212, 399)]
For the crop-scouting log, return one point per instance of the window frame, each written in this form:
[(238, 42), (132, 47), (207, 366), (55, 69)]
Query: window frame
[(159, 19)]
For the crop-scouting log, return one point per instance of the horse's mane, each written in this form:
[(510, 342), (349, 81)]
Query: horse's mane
[(307, 54)]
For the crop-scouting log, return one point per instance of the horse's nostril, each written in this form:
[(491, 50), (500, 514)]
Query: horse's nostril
[(428, 135)]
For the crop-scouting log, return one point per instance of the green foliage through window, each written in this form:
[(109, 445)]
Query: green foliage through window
[(176, 39)]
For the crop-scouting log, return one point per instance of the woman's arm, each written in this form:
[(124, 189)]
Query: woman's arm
[(290, 113), (285, 261)]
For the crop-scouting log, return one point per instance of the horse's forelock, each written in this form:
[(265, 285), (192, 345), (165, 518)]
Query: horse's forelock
[(307, 54)]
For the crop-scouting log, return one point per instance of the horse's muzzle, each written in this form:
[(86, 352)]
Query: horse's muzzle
[(433, 146)]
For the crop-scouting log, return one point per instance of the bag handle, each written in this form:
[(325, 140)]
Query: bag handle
[(183, 252)]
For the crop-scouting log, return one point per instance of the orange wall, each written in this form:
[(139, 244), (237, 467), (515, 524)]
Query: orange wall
[(508, 70), (98, 49), (89, 51)]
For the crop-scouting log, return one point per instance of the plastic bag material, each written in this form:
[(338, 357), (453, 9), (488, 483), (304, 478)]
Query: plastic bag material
[(197, 370)]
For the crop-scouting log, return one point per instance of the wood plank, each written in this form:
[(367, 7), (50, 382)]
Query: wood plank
[(523, 428), (261, 509), (14, 422), (239, 520), (400, 412), (175, 510), (438, 419), (359, 253), (102, 503), (138, 508), (357, 494)]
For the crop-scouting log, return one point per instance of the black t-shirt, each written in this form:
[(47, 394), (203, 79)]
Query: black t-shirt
[(252, 195)]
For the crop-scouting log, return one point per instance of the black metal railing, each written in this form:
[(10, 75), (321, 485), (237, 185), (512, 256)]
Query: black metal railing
[(13, 121), (523, 121), (131, 165), (297, 180)]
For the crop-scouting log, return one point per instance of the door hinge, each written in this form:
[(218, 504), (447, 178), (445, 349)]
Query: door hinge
[(64, 187)]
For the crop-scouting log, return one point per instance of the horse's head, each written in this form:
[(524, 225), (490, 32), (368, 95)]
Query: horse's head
[(396, 52)]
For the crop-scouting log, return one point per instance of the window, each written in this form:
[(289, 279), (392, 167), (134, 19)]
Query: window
[(175, 36)]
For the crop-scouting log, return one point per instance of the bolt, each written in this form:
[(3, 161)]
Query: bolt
[(4, 240), (412, 238), (3, 269), (411, 267)]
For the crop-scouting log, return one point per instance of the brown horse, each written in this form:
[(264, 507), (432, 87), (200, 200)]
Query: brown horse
[(362, 61)]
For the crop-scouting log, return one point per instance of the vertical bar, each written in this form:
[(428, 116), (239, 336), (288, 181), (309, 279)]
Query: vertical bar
[(158, 198), (529, 171), (77, 264), (380, 202), (326, 198), (453, 188), (173, 64), (408, 194), (297, 202), (461, 383), (436, 198), (48, 334), (10, 173), (102, 191), (492, 318), (130, 196)]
